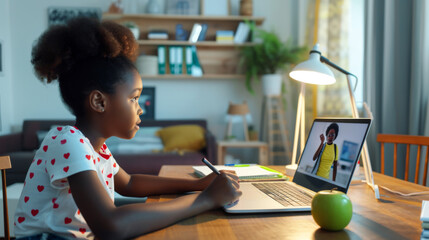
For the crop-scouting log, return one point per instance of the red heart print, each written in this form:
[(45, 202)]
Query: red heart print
[(63, 141), (34, 212), (54, 199), (53, 161), (26, 198), (40, 188), (45, 148), (21, 219), (52, 176), (56, 205), (88, 157), (114, 165), (78, 212), (66, 155), (102, 171), (66, 169), (94, 161), (53, 137), (67, 220), (69, 190), (31, 175), (107, 182), (39, 161), (82, 230), (59, 128), (98, 159), (81, 140), (109, 176), (71, 130)]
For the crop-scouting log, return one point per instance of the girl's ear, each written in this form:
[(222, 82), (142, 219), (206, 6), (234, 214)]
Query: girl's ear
[(97, 101)]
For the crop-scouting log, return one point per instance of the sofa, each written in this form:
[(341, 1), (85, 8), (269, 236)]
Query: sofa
[(21, 148)]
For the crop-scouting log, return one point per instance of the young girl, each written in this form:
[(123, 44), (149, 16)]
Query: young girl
[(327, 153), (69, 188)]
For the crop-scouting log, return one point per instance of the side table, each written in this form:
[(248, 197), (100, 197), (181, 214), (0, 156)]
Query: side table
[(223, 145)]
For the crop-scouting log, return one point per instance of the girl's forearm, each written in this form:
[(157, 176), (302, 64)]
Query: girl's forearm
[(141, 185)]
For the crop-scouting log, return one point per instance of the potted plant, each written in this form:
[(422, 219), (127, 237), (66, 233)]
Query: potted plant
[(267, 59), (134, 29)]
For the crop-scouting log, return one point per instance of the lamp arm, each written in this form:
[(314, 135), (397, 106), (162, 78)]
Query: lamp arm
[(325, 60)]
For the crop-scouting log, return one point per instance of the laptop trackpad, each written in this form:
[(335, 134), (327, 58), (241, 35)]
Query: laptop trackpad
[(253, 199)]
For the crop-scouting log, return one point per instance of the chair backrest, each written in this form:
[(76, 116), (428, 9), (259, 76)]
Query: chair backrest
[(409, 140), (5, 164)]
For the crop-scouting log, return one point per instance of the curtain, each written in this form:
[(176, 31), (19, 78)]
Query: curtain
[(331, 17), (395, 77)]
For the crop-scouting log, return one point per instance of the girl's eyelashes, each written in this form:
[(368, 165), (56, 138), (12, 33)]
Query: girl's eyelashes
[(135, 99)]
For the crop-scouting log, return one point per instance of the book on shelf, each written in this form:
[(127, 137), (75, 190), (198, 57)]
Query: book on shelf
[(202, 35), (225, 36), (245, 172), (157, 34), (242, 33)]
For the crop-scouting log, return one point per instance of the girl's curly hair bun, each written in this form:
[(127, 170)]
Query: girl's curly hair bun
[(60, 47)]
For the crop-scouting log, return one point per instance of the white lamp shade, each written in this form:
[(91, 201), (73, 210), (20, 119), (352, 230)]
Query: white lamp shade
[(313, 71)]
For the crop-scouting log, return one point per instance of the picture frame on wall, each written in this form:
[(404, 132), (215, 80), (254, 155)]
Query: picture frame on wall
[(60, 15), (183, 7), (215, 7), (147, 103)]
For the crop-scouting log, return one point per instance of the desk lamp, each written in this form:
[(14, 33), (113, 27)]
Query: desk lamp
[(313, 71), (304, 73)]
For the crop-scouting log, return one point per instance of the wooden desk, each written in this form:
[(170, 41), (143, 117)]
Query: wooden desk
[(392, 217)]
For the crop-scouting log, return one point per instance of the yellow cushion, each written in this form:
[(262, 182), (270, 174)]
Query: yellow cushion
[(182, 137)]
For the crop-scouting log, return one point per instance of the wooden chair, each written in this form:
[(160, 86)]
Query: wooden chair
[(409, 140), (5, 164)]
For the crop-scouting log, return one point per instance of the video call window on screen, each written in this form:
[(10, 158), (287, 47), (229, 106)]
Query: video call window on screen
[(338, 145)]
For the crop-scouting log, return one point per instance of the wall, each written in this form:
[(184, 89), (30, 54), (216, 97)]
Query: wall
[(31, 99), (6, 113)]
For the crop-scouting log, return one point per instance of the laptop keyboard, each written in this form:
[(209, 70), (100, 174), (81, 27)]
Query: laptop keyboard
[(285, 194)]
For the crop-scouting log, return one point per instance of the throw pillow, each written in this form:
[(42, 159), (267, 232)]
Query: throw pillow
[(183, 137)]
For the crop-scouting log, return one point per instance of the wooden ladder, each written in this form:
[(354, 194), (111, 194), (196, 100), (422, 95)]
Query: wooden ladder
[(274, 131)]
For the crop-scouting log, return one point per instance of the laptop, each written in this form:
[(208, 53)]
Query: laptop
[(296, 195)]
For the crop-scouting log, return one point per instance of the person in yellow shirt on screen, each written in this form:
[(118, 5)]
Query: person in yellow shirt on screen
[(327, 153)]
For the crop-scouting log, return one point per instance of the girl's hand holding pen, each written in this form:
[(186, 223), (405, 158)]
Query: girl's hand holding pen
[(223, 190)]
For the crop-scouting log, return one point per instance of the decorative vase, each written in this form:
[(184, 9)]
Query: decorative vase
[(272, 84), (153, 7), (246, 7)]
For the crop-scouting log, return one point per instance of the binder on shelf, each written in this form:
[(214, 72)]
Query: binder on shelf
[(195, 33), (196, 69), (161, 59), (188, 59), (179, 60), (172, 59)]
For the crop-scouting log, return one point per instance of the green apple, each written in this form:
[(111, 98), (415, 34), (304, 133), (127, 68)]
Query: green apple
[(331, 209)]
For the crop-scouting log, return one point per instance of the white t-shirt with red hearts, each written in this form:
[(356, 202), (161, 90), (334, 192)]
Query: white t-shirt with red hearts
[(46, 203)]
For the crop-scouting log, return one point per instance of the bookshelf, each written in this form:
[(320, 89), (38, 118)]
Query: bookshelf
[(218, 60)]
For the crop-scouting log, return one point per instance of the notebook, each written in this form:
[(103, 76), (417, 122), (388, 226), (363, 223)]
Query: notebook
[(245, 172), (295, 196)]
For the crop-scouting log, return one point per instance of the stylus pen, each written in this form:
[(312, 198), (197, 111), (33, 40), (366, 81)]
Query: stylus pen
[(206, 162)]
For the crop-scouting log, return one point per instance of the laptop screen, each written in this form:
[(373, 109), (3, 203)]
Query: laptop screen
[(330, 155)]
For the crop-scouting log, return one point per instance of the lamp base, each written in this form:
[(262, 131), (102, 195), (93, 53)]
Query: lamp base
[(291, 169)]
